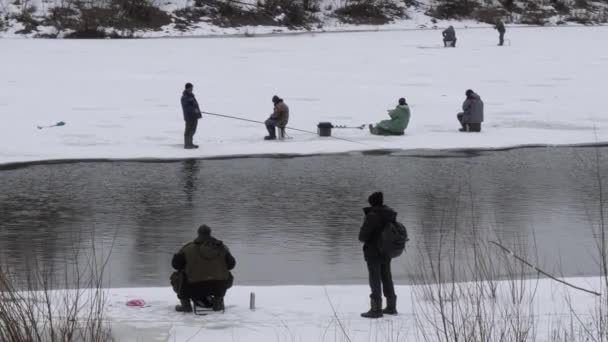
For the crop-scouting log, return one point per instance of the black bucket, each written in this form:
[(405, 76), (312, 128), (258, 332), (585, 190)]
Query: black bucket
[(324, 129)]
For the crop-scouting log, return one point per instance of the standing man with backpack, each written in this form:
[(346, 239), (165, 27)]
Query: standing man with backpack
[(377, 216)]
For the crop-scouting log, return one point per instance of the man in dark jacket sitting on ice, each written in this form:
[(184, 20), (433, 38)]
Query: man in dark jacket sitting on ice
[(203, 272), (279, 118), (449, 37), (471, 116)]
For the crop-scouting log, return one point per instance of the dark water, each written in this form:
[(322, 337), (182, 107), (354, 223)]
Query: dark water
[(295, 220)]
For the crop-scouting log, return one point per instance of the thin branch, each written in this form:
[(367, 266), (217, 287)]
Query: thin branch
[(508, 251), (336, 315)]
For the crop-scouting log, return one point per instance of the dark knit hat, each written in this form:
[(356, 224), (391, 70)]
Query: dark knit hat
[(402, 101), (376, 199), (204, 230), (469, 92), (276, 99), (188, 85)]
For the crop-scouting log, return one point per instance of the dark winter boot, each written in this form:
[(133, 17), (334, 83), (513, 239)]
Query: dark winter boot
[(188, 143), (218, 303), (271, 133), (391, 306), (375, 311), (185, 306)]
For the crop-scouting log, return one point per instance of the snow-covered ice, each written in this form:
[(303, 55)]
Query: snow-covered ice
[(120, 98), (304, 313)]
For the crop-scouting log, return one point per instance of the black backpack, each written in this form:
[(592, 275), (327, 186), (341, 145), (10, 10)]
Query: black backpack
[(393, 238)]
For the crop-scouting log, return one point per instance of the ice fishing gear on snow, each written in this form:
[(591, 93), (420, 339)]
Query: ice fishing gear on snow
[(324, 128), (136, 302), (353, 127), (60, 123), (294, 129)]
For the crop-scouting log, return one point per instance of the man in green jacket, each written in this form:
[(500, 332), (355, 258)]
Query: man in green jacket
[(203, 272), (400, 117)]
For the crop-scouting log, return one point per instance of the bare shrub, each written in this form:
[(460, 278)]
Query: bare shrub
[(368, 12), (137, 14), (480, 310), (489, 14), (454, 9), (561, 7), (27, 19), (296, 13), (35, 310)]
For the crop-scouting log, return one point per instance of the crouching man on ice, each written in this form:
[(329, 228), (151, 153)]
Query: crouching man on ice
[(378, 264), (203, 272)]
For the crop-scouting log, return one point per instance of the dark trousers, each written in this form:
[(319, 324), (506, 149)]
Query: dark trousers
[(449, 43), (501, 38), (270, 126), (469, 127), (190, 128), (380, 279), (199, 291)]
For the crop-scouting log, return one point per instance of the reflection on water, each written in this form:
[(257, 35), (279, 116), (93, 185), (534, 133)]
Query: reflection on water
[(295, 220)]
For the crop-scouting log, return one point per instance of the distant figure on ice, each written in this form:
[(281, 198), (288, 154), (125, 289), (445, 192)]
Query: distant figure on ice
[(378, 265), (278, 118), (500, 26), (203, 272), (449, 37), (471, 116), (400, 117), (192, 114)]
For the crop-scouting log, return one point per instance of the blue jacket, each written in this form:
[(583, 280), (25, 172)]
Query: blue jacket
[(190, 106)]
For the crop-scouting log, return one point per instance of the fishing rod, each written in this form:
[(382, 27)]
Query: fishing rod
[(294, 129)]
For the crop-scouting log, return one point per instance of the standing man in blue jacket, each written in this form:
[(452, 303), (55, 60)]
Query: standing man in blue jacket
[(192, 114)]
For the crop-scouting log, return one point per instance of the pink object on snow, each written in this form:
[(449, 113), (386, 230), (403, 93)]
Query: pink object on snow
[(136, 302)]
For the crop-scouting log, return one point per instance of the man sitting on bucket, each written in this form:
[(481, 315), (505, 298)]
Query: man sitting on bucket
[(203, 272), (449, 37), (400, 117), (471, 116), (278, 118)]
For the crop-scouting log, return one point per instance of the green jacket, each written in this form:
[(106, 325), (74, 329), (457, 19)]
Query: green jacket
[(400, 117), (204, 259)]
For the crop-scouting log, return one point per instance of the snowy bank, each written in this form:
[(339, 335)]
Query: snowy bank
[(304, 313), (120, 99)]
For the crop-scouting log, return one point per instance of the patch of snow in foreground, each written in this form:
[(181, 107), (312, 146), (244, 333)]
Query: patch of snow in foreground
[(121, 98), (304, 313)]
